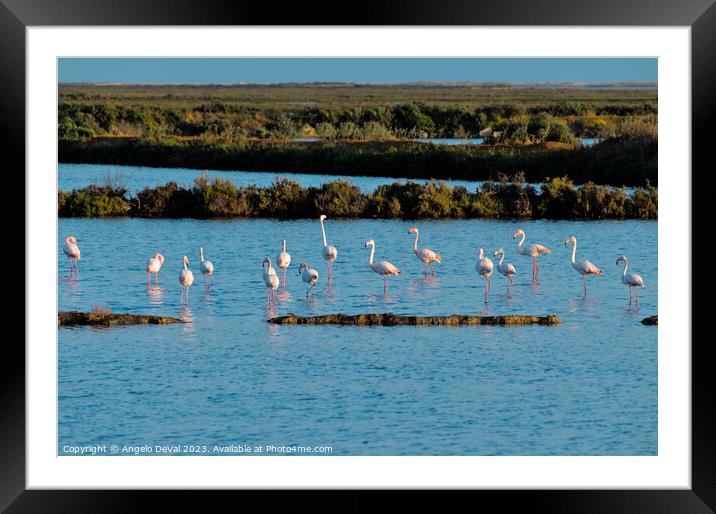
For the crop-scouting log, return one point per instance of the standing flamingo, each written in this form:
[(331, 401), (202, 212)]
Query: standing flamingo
[(484, 268), (584, 268), (309, 276), (207, 268), (633, 280), (186, 279), (283, 261), (534, 250), (153, 266), (384, 268), (329, 252), (72, 251), (424, 254), (506, 268), (271, 280)]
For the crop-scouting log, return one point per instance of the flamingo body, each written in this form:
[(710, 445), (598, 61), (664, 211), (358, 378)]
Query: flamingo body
[(271, 280), (186, 279), (207, 268), (330, 253), (585, 267), (283, 261), (505, 268), (72, 251), (485, 268), (383, 268), (633, 280), (309, 276), (426, 255), (154, 264), (534, 250)]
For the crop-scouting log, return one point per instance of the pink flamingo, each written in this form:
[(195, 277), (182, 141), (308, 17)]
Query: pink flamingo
[(153, 266), (424, 254), (186, 279), (309, 276), (72, 251), (534, 250), (507, 269), (384, 268), (633, 280), (207, 268), (329, 252), (484, 268), (283, 261), (584, 268), (271, 280)]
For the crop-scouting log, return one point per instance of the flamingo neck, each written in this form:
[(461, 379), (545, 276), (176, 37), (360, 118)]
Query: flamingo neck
[(625, 268), (323, 231), (574, 251), (372, 251), (283, 246), (185, 266), (201, 254), (415, 243), (502, 257), (523, 235)]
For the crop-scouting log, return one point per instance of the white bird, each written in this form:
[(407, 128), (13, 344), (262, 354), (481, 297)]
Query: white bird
[(584, 268), (309, 276), (271, 280), (384, 268), (153, 266), (329, 252), (186, 279), (283, 261), (506, 268), (72, 251), (534, 250), (207, 268), (424, 254), (484, 268), (633, 280)]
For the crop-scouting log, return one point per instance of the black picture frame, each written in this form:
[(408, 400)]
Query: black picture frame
[(700, 15)]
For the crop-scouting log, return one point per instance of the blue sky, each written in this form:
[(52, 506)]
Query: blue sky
[(391, 70)]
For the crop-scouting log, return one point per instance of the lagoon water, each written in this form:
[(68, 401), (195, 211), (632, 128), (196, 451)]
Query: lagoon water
[(585, 387)]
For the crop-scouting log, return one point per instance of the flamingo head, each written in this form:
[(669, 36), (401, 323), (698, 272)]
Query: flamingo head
[(498, 252), (570, 239), (302, 267), (413, 230), (71, 239), (518, 232), (622, 258), (186, 260), (322, 217), (160, 257), (266, 261), (480, 254), (370, 242)]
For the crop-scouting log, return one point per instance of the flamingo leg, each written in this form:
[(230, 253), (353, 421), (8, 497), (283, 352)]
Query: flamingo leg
[(584, 277), (425, 269), (385, 284), (509, 286), (149, 274), (431, 268), (629, 295), (535, 269), (156, 278), (637, 296), (187, 294)]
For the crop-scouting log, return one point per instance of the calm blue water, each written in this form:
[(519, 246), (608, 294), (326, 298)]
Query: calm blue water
[(136, 178), (585, 387)]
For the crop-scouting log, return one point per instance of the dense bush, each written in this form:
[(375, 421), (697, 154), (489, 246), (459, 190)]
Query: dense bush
[(509, 198)]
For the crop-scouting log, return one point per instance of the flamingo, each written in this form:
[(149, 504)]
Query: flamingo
[(329, 252), (72, 251), (631, 279), (309, 276), (153, 266), (186, 279), (534, 250), (283, 260), (424, 254), (484, 268), (271, 281), (207, 268), (506, 268), (384, 268), (584, 268)]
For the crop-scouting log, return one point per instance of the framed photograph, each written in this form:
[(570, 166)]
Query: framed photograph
[(422, 251)]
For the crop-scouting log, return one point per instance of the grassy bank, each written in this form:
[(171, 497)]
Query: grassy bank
[(625, 161), (286, 199)]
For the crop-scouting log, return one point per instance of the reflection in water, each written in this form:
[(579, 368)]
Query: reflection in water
[(156, 295), (187, 315)]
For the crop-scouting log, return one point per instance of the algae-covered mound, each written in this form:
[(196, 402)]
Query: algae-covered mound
[(389, 319), (651, 320), (108, 319)]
